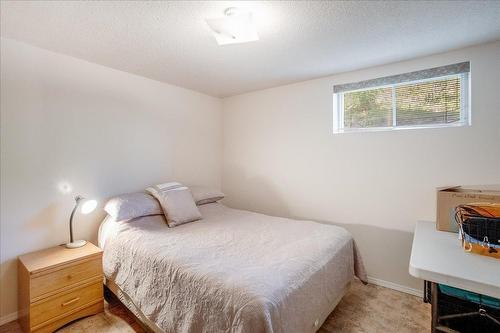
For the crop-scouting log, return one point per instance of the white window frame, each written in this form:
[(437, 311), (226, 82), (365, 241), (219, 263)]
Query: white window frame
[(465, 110)]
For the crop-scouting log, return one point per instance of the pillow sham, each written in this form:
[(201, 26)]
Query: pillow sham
[(132, 205), (177, 203), (204, 195)]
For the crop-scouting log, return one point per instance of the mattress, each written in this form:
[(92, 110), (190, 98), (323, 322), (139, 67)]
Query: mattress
[(232, 271)]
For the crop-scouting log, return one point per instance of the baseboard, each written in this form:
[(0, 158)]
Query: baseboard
[(8, 318), (395, 286)]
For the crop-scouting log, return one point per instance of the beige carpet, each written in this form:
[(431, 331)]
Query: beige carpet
[(377, 309), (364, 309)]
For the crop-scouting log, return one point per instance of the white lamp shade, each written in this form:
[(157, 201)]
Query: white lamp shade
[(88, 206)]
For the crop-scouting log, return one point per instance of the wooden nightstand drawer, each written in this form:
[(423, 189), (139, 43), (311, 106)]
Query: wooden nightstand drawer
[(51, 309), (58, 285), (64, 277)]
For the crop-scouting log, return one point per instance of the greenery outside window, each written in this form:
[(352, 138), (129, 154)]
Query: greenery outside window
[(430, 102)]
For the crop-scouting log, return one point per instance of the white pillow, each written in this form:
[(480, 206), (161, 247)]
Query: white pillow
[(177, 203), (205, 195), (132, 205)]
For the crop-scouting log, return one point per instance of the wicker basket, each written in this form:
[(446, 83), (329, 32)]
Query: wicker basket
[(479, 225)]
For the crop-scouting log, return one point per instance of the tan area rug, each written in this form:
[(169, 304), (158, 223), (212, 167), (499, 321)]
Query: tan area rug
[(363, 309)]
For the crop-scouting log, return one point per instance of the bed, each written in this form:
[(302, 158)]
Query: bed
[(232, 271)]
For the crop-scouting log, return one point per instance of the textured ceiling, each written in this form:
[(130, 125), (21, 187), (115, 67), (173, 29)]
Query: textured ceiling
[(169, 41)]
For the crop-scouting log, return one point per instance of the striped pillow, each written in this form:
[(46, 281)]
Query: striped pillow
[(177, 203)]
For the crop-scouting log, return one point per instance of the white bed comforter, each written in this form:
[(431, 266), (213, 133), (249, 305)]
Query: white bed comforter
[(233, 271)]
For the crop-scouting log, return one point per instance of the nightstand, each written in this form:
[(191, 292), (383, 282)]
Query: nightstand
[(59, 285)]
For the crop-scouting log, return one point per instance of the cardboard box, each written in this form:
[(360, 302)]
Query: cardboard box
[(450, 197)]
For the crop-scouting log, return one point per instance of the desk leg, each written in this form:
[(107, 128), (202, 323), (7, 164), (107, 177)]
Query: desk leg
[(434, 306)]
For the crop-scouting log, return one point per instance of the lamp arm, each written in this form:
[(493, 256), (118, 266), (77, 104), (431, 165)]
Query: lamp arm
[(77, 199)]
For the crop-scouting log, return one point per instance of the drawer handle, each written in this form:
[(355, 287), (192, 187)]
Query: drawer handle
[(76, 299)]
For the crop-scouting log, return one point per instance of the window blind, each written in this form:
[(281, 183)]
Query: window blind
[(459, 68), (434, 102)]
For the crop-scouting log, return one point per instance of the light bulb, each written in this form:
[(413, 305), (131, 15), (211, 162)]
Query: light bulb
[(88, 206)]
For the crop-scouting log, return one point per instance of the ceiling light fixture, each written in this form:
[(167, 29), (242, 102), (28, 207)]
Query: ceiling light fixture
[(235, 27)]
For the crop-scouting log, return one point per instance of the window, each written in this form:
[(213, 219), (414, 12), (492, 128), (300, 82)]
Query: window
[(437, 97)]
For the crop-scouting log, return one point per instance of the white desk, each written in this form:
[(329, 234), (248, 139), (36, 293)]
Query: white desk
[(437, 256)]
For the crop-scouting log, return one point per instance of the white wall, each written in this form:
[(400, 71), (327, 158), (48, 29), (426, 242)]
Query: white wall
[(104, 131), (280, 157)]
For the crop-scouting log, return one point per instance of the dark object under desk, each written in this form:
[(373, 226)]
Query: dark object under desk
[(453, 314)]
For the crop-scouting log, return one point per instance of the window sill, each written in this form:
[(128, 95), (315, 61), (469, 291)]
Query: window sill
[(398, 128)]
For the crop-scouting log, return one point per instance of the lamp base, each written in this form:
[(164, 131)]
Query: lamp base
[(76, 244)]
